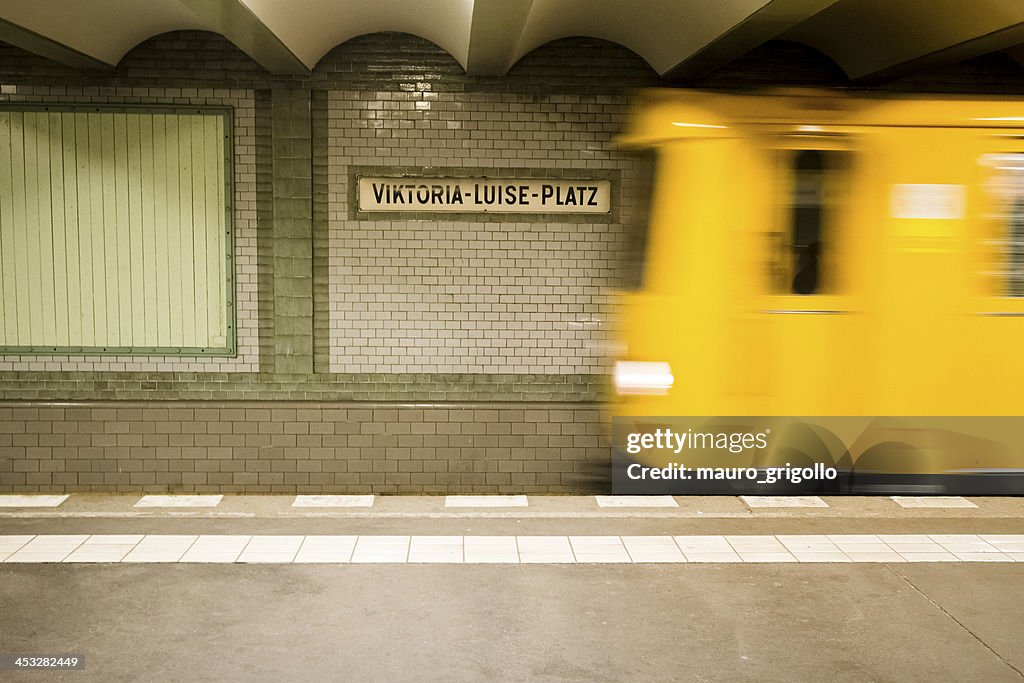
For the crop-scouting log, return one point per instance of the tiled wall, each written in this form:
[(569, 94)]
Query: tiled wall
[(246, 291), (297, 447), (486, 294)]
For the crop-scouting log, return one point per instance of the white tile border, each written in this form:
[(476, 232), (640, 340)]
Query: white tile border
[(554, 549), (333, 501), (784, 501), (179, 501), (486, 501), (932, 502), (32, 500), (326, 549), (636, 502), (216, 548)]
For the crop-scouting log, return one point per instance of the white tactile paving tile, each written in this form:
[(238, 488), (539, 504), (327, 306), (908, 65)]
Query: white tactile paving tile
[(326, 549), (767, 557), (808, 543), (1006, 543), (162, 548), (179, 501), (904, 548), (104, 548), (486, 501), (385, 549), (636, 502), (271, 549), (983, 557), (703, 544), (756, 544), (12, 544), (48, 548), (929, 557), (820, 556), (599, 549), (653, 549), (906, 538), (784, 501), (333, 501), (932, 502), (285, 549), (965, 543), (874, 556), (713, 557), (216, 548), (859, 544), (491, 549), (436, 549), (545, 549), (810, 548), (30, 500)]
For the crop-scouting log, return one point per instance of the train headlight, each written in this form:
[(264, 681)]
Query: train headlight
[(643, 377)]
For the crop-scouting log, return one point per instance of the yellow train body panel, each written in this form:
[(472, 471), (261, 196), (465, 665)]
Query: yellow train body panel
[(823, 254)]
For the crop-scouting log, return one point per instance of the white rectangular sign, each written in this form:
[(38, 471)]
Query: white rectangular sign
[(484, 195), (928, 201)]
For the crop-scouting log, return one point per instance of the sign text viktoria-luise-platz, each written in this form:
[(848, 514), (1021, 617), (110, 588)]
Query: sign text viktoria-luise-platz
[(484, 195)]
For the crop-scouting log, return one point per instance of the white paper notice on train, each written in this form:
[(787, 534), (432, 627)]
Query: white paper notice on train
[(483, 195)]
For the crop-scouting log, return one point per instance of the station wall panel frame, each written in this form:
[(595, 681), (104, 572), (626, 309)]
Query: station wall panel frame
[(116, 230)]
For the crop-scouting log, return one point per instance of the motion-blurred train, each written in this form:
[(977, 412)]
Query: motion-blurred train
[(842, 272)]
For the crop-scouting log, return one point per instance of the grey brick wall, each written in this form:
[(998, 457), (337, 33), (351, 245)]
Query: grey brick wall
[(299, 447)]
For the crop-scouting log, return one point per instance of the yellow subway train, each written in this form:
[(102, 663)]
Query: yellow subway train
[(842, 272)]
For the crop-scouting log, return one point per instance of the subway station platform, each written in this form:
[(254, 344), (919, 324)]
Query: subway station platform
[(508, 529), (476, 588)]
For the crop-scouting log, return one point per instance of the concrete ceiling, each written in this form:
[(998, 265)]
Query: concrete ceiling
[(867, 38)]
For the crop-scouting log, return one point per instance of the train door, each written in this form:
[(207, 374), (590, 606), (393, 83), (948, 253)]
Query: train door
[(812, 304), (922, 272), (995, 316)]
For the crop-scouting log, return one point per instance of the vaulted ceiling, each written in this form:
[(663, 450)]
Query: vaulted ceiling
[(686, 38)]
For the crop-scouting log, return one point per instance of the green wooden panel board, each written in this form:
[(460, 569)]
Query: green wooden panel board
[(20, 302), (115, 231), (7, 327)]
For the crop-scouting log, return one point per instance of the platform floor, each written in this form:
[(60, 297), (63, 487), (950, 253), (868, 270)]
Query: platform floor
[(556, 589)]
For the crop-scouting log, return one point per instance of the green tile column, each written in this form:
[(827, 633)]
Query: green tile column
[(293, 231)]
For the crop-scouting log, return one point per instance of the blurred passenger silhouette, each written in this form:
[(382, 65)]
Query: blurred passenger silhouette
[(806, 279)]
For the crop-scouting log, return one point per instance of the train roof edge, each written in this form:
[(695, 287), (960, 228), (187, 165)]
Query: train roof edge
[(662, 115)]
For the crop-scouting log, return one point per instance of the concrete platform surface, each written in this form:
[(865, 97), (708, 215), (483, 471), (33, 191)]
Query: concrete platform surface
[(560, 589)]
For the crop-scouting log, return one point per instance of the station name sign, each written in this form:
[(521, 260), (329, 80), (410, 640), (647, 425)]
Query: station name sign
[(484, 195)]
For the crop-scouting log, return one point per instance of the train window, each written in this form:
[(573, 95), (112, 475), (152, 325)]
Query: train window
[(1006, 189), (813, 178)]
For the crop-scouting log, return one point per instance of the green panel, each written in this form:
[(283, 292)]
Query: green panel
[(198, 217), (115, 230), (148, 184), (8, 325), (94, 168), (72, 225), (183, 238), (44, 230), (123, 233), (59, 234), (137, 280), (32, 247), (85, 252), (160, 311), (19, 239)]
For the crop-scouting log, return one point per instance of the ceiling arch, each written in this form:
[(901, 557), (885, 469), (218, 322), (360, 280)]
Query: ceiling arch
[(312, 28), (685, 38), (101, 30), (663, 32)]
